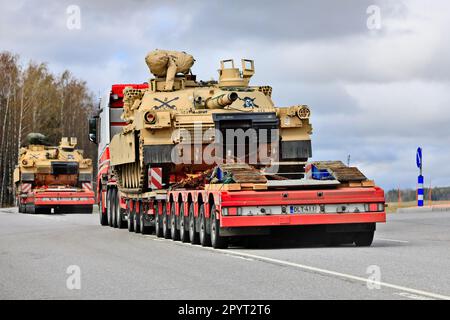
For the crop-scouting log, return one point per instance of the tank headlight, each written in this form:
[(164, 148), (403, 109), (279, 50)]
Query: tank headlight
[(303, 112), (150, 117)]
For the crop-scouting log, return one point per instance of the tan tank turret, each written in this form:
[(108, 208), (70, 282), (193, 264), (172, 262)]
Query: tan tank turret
[(173, 123)]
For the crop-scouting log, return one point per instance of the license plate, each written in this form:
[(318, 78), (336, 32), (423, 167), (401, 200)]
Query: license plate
[(303, 209)]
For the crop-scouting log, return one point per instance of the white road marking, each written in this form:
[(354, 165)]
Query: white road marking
[(238, 257), (411, 291), (337, 274), (392, 240), (412, 296)]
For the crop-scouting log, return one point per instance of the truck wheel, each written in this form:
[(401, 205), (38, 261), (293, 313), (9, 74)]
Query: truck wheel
[(86, 209), (120, 222), (158, 226), (114, 203), (364, 239), (109, 208), (193, 234), (217, 241), (205, 239), (130, 217), (174, 232), (103, 216), (144, 229), (137, 226), (184, 234), (165, 225), (30, 209)]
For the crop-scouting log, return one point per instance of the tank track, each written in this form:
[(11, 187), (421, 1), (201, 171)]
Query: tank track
[(131, 176)]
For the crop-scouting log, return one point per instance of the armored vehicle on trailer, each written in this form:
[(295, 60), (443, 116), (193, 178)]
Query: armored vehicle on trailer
[(212, 162), (178, 111), (53, 177)]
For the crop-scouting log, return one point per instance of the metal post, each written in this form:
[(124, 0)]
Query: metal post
[(420, 190)]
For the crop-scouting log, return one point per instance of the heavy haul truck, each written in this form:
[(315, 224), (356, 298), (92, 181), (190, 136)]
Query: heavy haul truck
[(53, 177), (210, 162)]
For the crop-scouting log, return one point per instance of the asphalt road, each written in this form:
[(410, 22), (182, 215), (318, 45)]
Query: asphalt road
[(410, 254)]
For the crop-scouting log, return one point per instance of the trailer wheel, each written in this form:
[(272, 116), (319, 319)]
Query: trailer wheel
[(193, 234), (86, 209), (119, 219), (130, 217), (114, 204), (165, 225), (144, 229), (103, 216), (30, 208), (364, 239), (158, 226), (217, 241), (174, 232), (184, 235), (108, 207), (205, 239), (136, 214)]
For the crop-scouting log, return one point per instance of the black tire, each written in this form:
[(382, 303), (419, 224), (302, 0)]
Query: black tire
[(184, 234), (130, 217), (158, 222), (217, 241), (205, 239), (165, 225), (174, 231), (21, 208), (43, 210), (364, 239), (84, 209), (144, 229), (119, 215), (193, 234), (103, 215), (108, 208), (136, 220), (114, 204), (30, 208)]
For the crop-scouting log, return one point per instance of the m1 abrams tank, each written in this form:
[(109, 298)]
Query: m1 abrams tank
[(53, 176), (180, 126)]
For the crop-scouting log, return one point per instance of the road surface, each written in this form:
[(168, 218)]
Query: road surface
[(40, 256)]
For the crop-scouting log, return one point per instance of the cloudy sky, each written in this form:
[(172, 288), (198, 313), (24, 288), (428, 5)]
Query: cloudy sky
[(378, 88)]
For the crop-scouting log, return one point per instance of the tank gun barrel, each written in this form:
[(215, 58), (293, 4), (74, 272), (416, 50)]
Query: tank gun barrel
[(221, 101)]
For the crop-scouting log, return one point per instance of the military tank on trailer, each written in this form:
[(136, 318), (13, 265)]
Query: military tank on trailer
[(181, 126), (211, 162), (53, 177)]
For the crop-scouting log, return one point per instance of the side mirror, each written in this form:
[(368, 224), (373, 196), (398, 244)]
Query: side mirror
[(93, 130)]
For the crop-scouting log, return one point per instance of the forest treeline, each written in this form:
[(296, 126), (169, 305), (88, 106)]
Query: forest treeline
[(437, 194), (33, 99)]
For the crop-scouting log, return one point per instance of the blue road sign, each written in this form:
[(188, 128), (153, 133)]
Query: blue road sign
[(419, 157)]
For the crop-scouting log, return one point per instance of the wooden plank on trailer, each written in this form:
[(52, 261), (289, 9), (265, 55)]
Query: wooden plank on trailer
[(260, 186)]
